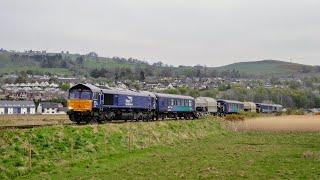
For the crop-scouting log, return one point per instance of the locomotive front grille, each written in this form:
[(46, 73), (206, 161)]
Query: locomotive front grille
[(79, 105)]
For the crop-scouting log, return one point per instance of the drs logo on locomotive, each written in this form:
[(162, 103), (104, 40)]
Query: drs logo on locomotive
[(129, 101)]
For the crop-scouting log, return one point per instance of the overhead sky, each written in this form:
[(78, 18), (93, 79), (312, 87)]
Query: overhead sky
[(177, 32)]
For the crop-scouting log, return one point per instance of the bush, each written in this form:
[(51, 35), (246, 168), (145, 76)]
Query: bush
[(278, 113), (234, 117), (295, 112)]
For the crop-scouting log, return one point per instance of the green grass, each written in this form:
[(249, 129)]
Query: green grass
[(158, 150)]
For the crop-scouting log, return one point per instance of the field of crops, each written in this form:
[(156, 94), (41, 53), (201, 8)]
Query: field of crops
[(168, 149)]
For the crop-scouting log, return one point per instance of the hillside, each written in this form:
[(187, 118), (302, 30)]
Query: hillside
[(61, 63), (268, 67), (91, 65)]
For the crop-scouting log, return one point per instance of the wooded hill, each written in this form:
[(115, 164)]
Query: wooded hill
[(91, 65)]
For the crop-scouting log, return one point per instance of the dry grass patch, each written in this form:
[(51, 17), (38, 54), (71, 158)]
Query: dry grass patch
[(311, 155), (234, 117), (37, 119), (279, 123)]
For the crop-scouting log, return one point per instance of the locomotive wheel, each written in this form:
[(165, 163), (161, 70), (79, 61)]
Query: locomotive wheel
[(98, 119), (87, 120)]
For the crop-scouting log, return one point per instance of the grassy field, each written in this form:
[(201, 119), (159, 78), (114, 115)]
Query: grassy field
[(36, 119), (159, 150)]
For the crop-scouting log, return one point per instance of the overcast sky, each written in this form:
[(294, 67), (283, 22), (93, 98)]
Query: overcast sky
[(190, 32)]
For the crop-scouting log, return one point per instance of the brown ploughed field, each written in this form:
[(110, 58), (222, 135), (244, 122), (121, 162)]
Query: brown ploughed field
[(279, 123)]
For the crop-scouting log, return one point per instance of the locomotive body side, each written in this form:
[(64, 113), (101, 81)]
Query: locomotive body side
[(125, 104)]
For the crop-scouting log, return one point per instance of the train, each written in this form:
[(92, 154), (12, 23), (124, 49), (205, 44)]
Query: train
[(87, 102), (90, 103)]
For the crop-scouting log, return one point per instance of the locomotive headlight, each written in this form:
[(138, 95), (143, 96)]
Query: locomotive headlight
[(70, 108)]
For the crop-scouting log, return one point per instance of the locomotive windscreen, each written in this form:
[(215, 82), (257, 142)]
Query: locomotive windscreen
[(80, 94)]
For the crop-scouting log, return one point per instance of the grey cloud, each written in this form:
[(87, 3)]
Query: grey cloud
[(176, 32)]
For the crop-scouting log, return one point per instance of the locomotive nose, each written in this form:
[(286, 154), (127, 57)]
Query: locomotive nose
[(79, 105)]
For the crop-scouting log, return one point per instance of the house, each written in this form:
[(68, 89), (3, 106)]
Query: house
[(50, 108), (17, 107)]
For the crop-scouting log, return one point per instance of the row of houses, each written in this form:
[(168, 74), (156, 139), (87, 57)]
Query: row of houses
[(29, 107)]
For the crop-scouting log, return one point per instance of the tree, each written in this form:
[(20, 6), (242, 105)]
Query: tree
[(182, 90), (65, 86), (22, 77), (142, 77), (80, 61), (194, 93)]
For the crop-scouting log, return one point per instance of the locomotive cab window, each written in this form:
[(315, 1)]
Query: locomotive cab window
[(95, 96), (85, 95), (74, 94), (108, 99)]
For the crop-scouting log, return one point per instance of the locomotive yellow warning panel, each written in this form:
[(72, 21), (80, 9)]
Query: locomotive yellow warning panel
[(79, 105)]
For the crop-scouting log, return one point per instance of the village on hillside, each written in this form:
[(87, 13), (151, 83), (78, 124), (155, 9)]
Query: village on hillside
[(47, 94)]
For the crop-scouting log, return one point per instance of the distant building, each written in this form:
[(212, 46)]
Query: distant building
[(50, 108), (17, 107)]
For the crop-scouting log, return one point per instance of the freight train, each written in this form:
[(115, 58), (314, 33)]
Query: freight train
[(87, 103)]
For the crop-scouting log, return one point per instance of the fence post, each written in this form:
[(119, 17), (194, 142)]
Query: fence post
[(71, 150), (166, 137), (106, 142), (129, 144), (30, 155), (149, 139)]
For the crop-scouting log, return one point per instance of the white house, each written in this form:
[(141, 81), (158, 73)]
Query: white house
[(50, 108), (17, 107)]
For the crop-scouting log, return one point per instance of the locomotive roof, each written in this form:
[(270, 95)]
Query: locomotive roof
[(173, 96), (94, 88), (127, 92), (89, 86)]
